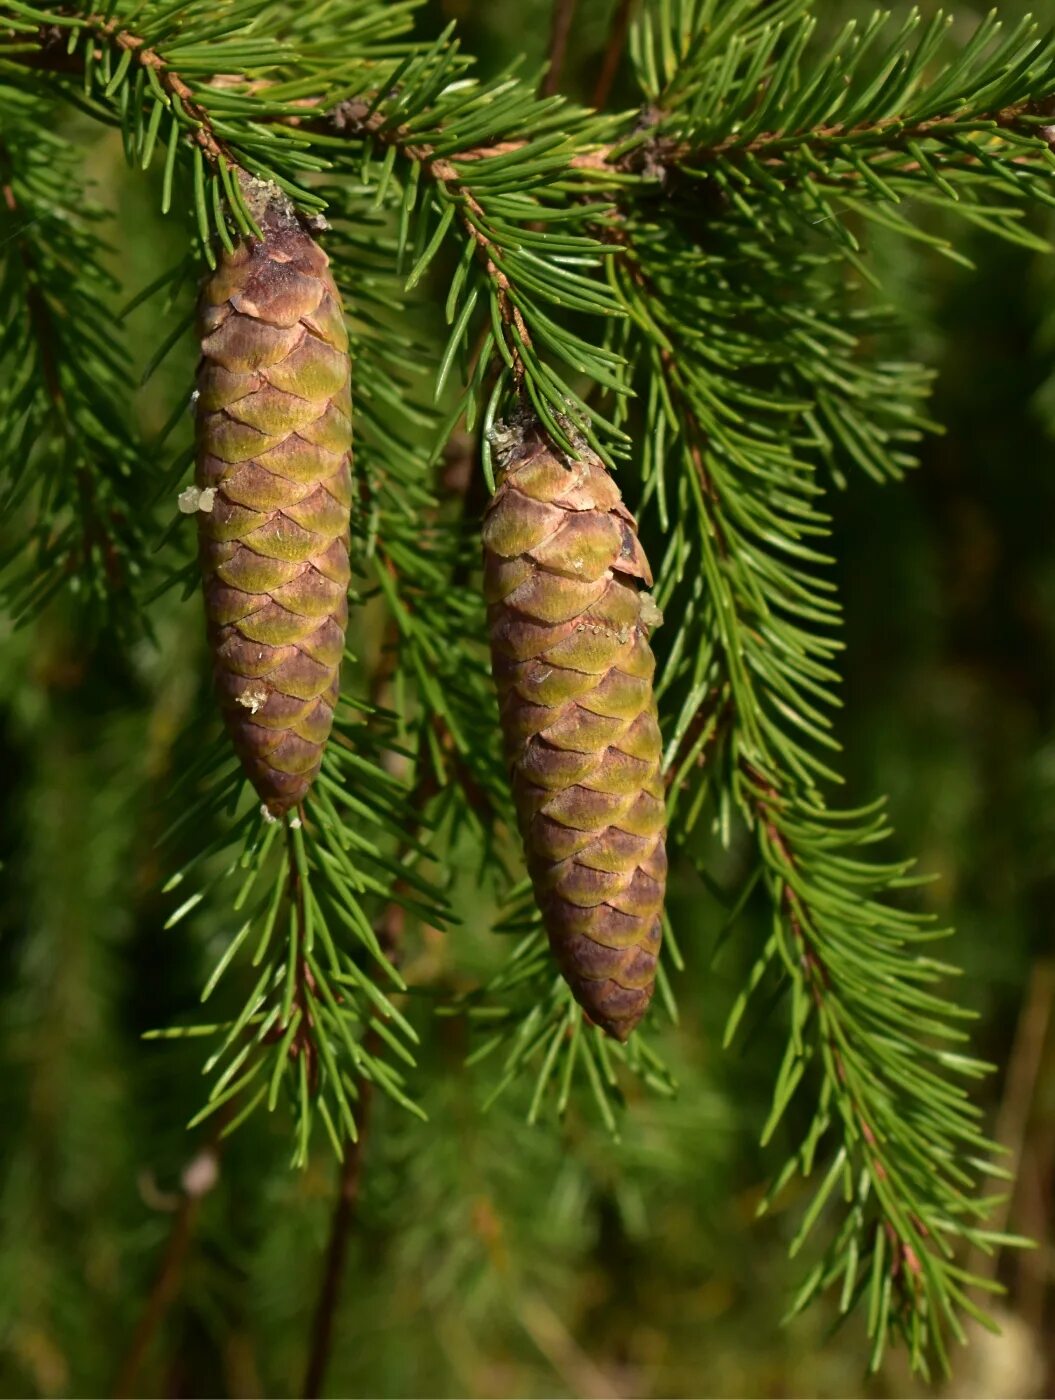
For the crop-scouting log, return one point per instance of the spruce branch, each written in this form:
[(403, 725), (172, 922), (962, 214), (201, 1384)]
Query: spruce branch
[(900, 1130), (199, 82), (693, 124), (135, 51), (315, 1020), (498, 193), (881, 114), (354, 118), (68, 484)]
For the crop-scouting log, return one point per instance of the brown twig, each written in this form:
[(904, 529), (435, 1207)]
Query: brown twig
[(164, 1290), (1020, 1088), (613, 52), (560, 28), (199, 1178), (349, 1184)]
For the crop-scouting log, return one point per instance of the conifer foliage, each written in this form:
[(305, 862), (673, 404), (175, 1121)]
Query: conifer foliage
[(679, 297)]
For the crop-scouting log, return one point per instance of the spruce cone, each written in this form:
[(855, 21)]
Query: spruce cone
[(569, 646), (274, 435)]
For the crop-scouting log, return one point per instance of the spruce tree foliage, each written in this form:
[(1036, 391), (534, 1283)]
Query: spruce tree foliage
[(688, 284)]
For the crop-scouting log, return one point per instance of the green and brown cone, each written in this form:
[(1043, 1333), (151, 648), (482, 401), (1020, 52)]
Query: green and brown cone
[(274, 437), (569, 625)]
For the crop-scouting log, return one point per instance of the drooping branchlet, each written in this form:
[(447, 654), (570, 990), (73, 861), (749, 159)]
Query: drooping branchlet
[(569, 625), (274, 438)]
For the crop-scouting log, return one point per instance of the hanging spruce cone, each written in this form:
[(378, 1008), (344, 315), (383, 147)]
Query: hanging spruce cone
[(274, 435), (569, 645)]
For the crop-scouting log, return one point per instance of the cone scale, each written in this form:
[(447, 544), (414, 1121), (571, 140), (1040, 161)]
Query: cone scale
[(273, 424), (564, 575)]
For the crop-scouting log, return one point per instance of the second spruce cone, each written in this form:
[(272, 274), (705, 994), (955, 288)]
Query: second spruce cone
[(274, 436), (569, 626)]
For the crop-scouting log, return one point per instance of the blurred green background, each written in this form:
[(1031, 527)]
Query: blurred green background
[(489, 1258)]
